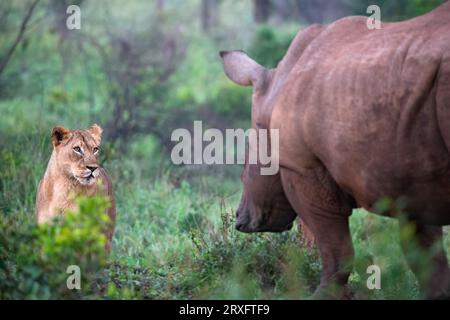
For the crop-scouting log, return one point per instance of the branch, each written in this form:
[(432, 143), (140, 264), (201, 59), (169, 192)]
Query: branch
[(4, 61)]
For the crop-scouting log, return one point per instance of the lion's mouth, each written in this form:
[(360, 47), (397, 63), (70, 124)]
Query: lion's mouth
[(87, 179)]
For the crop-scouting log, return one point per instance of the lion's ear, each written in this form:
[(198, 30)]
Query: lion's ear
[(59, 134), (96, 132)]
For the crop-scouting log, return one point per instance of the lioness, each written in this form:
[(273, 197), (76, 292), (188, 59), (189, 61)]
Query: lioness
[(73, 171)]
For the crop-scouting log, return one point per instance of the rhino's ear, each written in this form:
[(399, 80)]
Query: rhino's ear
[(242, 69)]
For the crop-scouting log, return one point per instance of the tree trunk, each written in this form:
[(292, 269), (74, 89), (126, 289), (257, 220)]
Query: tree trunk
[(261, 10), (209, 14), (320, 11), (160, 8)]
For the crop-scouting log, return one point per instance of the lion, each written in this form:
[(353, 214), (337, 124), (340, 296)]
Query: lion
[(73, 171)]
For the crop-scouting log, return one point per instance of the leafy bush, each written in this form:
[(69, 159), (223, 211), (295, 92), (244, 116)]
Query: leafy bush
[(261, 266), (18, 173), (269, 46), (234, 101), (34, 258)]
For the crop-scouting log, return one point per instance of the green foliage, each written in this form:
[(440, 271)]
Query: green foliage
[(218, 256), (18, 172), (269, 46), (34, 258), (234, 101), (58, 98), (376, 241), (9, 83), (143, 146), (394, 10), (231, 265)]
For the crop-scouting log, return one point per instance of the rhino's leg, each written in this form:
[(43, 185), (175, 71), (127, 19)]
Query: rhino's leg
[(336, 251), (323, 208), (434, 281)]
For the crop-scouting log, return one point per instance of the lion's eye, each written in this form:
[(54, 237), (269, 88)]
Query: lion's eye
[(77, 149), (96, 150)]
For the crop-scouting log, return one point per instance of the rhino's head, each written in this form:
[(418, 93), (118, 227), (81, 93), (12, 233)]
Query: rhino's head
[(264, 206)]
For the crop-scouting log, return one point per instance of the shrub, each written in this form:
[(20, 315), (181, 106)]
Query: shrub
[(231, 265), (270, 46), (34, 258), (234, 101)]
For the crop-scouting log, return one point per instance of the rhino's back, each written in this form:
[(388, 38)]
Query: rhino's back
[(368, 107)]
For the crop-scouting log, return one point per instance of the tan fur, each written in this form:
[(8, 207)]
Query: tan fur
[(71, 173)]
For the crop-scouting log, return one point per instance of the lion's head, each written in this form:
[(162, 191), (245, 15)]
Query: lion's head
[(76, 153)]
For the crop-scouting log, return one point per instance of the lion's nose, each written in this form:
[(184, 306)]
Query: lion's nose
[(92, 167)]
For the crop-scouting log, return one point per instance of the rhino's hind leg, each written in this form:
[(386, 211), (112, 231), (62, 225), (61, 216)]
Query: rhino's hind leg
[(325, 210), (434, 274)]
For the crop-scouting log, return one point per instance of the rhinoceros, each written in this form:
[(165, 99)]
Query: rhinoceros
[(362, 115)]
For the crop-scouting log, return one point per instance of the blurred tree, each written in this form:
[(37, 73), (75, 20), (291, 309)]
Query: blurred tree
[(209, 14), (311, 11), (261, 10), (325, 11), (320, 11), (393, 10), (160, 6), (5, 11), (4, 59), (57, 10), (137, 64), (269, 46)]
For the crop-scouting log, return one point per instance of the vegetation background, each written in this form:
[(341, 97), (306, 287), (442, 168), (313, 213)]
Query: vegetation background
[(141, 69)]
